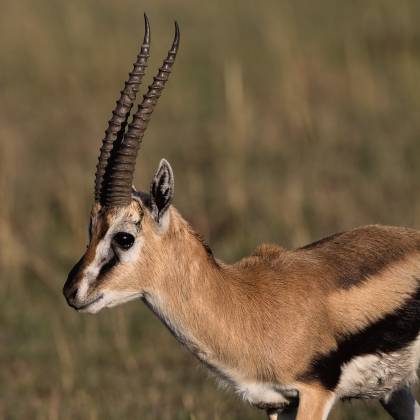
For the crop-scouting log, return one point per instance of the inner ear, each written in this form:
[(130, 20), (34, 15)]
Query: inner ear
[(162, 190)]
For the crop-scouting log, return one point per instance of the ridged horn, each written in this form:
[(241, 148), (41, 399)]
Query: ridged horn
[(118, 121), (122, 164)]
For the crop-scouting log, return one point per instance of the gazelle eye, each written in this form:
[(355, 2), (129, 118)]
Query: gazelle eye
[(124, 240)]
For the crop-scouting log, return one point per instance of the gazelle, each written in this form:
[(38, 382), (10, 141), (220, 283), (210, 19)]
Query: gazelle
[(292, 331)]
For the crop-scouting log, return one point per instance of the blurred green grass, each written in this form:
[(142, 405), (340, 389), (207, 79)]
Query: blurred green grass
[(284, 121)]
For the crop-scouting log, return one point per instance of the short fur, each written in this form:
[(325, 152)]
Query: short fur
[(279, 323), (338, 318)]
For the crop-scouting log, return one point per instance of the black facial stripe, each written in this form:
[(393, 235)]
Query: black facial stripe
[(394, 332), (107, 267)]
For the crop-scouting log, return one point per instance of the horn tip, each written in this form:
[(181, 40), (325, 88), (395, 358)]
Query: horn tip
[(175, 44), (146, 39)]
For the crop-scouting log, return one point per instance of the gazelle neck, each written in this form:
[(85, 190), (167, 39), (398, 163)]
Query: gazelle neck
[(186, 293), (215, 310), (197, 298)]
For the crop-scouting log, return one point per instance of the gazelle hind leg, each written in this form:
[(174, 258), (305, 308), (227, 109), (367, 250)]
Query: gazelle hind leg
[(287, 414), (315, 402), (402, 405)]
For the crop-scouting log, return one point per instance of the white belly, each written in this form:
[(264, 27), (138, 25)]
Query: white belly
[(261, 393), (376, 376)]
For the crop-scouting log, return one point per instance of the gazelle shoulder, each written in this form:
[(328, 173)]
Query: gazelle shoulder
[(264, 254), (268, 251)]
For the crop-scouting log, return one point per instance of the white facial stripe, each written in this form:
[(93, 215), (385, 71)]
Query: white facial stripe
[(104, 253)]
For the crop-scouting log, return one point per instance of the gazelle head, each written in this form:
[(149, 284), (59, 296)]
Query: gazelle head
[(126, 227)]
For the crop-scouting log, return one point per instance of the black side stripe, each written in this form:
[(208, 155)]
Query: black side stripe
[(394, 332)]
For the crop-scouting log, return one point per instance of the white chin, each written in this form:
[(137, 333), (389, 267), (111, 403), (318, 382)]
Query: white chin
[(110, 300), (94, 308), (116, 299)]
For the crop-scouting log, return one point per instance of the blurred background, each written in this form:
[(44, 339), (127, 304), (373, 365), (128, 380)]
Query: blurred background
[(284, 121)]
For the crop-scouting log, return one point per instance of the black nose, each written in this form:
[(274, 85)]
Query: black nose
[(70, 296), (71, 286)]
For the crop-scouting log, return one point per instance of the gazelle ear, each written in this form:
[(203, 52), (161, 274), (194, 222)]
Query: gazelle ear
[(161, 190)]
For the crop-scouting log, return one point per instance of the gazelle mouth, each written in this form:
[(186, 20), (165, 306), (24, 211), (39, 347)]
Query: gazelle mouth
[(86, 305)]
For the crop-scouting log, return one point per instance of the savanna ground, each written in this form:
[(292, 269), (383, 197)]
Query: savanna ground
[(284, 121)]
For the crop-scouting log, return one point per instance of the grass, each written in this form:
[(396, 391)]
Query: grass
[(284, 121)]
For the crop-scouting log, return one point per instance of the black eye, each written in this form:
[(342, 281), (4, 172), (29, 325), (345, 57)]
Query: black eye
[(124, 240)]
